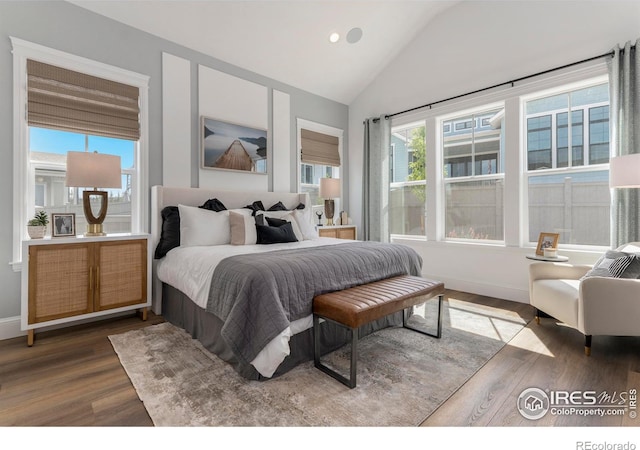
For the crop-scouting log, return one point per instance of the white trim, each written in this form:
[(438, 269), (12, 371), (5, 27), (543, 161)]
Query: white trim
[(74, 62), (23, 50), (10, 328)]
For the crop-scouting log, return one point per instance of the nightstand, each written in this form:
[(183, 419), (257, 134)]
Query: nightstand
[(69, 279), (338, 231)]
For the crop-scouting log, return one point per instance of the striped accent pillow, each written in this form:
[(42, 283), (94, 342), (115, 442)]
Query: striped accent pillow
[(619, 265), (613, 264)]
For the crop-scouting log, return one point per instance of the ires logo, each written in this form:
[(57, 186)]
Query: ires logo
[(534, 403), (588, 398)]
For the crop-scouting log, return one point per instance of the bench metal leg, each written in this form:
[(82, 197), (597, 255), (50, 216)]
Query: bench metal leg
[(438, 333), (349, 382)]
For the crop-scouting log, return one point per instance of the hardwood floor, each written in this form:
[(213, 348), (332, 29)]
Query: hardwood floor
[(72, 376), (550, 357)]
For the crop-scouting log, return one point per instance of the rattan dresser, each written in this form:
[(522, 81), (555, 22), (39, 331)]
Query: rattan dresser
[(69, 279), (338, 231)]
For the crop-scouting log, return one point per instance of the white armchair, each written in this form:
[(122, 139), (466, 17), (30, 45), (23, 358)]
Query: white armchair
[(596, 305)]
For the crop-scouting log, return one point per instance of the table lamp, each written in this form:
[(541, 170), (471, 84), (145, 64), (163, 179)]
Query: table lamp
[(329, 190), (624, 171), (96, 170)]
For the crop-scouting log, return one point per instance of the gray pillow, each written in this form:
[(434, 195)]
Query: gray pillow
[(615, 264), (633, 271)]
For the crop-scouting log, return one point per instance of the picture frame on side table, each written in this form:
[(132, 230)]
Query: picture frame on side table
[(63, 224), (231, 146), (547, 240)]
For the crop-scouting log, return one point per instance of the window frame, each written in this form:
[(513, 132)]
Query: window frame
[(515, 202), (405, 126), (23, 192), (328, 130), (475, 113), (525, 173)]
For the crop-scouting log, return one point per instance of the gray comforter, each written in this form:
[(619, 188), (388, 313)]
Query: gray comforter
[(257, 296)]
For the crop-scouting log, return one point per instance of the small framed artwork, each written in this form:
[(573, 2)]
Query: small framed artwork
[(229, 146), (547, 240), (63, 224)]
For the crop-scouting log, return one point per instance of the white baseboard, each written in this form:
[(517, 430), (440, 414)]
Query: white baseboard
[(490, 290), (10, 328)]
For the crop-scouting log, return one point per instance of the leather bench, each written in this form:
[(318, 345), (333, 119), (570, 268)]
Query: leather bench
[(359, 305)]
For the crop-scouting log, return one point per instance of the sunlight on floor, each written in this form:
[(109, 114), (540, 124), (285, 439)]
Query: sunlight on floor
[(482, 320), (531, 342), (485, 326)]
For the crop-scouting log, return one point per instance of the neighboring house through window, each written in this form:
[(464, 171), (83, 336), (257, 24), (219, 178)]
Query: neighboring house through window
[(408, 183), (569, 193), (472, 152)]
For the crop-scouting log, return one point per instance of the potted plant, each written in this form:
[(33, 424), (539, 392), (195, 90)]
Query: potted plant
[(37, 226)]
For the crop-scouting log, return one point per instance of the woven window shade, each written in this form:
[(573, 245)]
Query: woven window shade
[(319, 148), (71, 101)]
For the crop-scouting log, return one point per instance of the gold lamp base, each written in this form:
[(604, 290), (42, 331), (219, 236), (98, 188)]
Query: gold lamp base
[(94, 224), (94, 229)]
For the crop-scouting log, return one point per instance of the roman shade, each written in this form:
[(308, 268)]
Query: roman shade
[(72, 101), (319, 148)]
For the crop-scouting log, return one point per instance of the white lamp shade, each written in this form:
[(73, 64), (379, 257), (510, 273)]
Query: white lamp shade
[(624, 171), (329, 187), (90, 169)]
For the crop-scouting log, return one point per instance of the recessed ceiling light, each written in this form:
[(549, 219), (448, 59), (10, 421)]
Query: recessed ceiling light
[(354, 35), (334, 37)]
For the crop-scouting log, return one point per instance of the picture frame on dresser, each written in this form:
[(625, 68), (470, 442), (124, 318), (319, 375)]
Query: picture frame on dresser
[(232, 146), (63, 224)]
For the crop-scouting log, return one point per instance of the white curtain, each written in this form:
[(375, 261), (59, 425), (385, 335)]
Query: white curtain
[(375, 189), (624, 87)]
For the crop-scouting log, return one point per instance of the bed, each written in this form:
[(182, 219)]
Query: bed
[(247, 302)]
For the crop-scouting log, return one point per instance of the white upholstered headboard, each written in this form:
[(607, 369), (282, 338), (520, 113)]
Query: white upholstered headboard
[(162, 196)]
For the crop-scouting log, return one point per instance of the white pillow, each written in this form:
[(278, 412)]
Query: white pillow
[(284, 215), (305, 223), (243, 227), (199, 226)]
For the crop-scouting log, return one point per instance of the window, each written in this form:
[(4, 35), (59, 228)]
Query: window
[(508, 164), (473, 176), (408, 186), (569, 194), (47, 163), (310, 179), (49, 124), (320, 157)]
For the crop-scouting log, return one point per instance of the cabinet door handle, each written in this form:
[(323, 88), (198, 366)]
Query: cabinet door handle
[(91, 281), (98, 279)]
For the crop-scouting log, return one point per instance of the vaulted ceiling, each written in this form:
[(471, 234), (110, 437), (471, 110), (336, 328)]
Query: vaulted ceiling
[(286, 40)]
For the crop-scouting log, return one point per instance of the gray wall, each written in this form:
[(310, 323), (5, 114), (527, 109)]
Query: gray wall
[(66, 27)]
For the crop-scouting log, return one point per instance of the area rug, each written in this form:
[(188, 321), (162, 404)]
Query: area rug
[(403, 376)]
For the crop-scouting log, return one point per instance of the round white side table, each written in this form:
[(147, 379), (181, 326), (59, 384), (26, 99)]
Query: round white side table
[(548, 258)]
